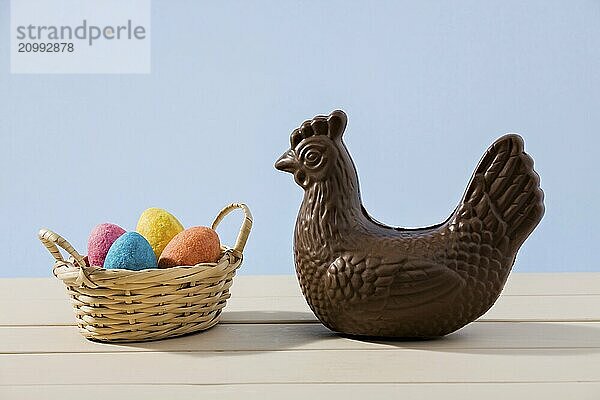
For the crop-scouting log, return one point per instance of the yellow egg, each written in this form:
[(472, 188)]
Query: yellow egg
[(158, 226)]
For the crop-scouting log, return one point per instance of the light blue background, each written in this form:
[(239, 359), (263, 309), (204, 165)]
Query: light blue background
[(427, 87)]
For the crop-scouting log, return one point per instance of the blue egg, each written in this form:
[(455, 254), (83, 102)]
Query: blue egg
[(130, 251)]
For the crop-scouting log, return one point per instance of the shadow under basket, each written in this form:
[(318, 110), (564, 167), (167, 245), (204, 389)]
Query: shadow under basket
[(120, 305)]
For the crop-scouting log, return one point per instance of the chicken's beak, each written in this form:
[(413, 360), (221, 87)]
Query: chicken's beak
[(287, 162)]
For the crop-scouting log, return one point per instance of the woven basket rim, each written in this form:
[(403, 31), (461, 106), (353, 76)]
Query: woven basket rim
[(76, 270), (92, 276), (70, 263)]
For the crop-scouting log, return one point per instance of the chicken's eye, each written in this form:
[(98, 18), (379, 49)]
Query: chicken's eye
[(312, 159), (312, 156)]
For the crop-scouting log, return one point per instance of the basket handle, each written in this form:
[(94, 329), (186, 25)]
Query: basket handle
[(51, 240), (242, 237)]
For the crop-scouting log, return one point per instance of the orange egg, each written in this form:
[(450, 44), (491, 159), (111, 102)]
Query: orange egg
[(192, 246)]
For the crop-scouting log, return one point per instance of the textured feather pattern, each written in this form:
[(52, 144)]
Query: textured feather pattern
[(361, 277)]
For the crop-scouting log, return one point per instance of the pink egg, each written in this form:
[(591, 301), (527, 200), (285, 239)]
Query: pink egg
[(100, 240)]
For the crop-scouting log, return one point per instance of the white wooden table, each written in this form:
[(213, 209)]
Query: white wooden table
[(541, 340)]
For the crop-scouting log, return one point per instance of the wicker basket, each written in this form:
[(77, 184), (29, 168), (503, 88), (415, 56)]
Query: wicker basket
[(131, 306)]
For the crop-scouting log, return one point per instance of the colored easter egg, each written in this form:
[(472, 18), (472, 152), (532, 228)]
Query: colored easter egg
[(158, 227), (100, 240), (192, 246), (130, 251)]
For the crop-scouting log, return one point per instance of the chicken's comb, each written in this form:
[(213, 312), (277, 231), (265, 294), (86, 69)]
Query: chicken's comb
[(333, 126)]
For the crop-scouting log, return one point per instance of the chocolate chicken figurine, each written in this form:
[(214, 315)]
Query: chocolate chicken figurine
[(361, 277)]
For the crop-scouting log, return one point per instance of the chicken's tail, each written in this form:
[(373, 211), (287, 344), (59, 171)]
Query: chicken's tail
[(504, 195)]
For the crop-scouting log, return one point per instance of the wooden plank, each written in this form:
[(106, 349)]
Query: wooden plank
[(519, 284), (295, 310), (488, 391), (295, 337), (552, 284), (30, 288), (306, 366), (545, 308), (244, 286), (239, 310)]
